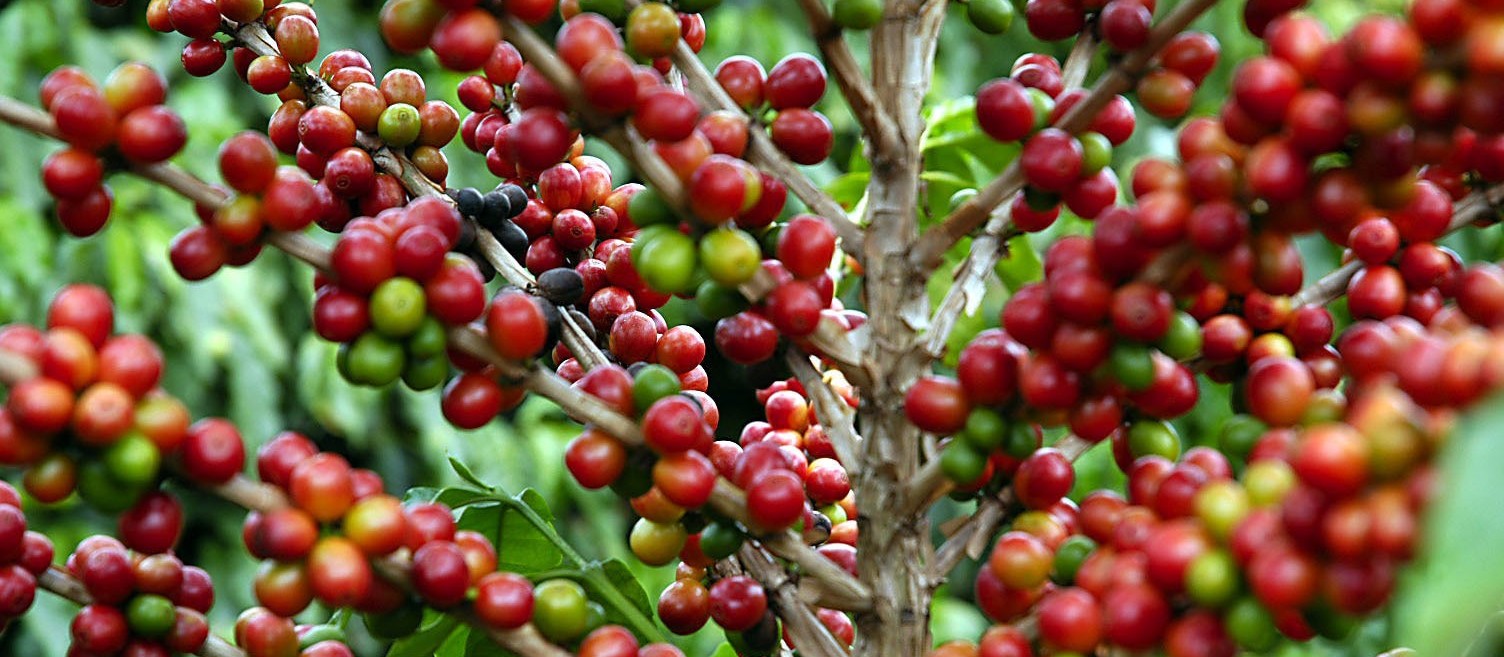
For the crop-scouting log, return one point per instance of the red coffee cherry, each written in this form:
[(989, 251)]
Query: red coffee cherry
[(737, 603), (213, 452), (796, 81), (504, 600)]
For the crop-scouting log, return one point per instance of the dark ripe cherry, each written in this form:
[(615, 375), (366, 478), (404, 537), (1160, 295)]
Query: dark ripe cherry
[(796, 81), (1264, 87), (153, 525), (1192, 54), (666, 115), (1052, 160), (1124, 24), (1004, 110), (1052, 20), (100, 629), (937, 404), (1141, 311), (84, 308), (988, 369), (744, 338), (1069, 619), (440, 573), (737, 602), (1029, 317), (1044, 478), (213, 451), (743, 79), (1134, 616), (72, 173), (804, 135), (197, 591)]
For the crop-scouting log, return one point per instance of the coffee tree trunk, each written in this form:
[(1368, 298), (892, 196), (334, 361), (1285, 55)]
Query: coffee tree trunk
[(895, 543)]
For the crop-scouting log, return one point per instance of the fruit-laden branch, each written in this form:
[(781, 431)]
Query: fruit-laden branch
[(966, 292), (65, 586), (1477, 205), (828, 336), (839, 589), (1118, 79), (971, 538), (256, 38), (877, 124), (834, 414), (468, 339), (760, 149), (804, 627)]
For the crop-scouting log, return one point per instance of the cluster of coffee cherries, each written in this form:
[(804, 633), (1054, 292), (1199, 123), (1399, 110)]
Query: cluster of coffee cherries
[(1167, 89), (118, 124), (267, 198), (24, 556), (261, 633), (140, 603), (93, 419), (1058, 166), (330, 142), (394, 288)]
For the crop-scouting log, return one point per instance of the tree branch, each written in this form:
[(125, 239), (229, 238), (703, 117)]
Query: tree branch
[(811, 635), (1118, 79), (972, 537), (834, 413), (841, 590), (877, 124), (1333, 285)]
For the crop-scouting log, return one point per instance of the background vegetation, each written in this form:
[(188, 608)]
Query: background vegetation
[(240, 345)]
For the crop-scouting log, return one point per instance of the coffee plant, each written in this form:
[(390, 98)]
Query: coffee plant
[(1148, 415)]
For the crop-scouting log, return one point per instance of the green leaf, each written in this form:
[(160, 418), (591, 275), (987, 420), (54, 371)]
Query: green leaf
[(464, 472), (426, 641), (621, 579), (1020, 265), (1445, 603), (478, 644)]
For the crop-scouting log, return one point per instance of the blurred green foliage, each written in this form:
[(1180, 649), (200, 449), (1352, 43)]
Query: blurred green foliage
[(240, 346)]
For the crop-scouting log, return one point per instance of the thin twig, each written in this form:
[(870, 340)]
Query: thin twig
[(811, 635), (877, 124), (842, 591), (1118, 79), (972, 536), (834, 413)]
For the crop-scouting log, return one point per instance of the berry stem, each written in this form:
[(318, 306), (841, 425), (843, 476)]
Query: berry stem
[(799, 620), (973, 536), (835, 415)]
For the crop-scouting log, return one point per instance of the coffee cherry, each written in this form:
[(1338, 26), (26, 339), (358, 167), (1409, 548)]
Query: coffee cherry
[(1043, 479), (684, 606), (1070, 619), (560, 609), (213, 451), (804, 135), (504, 600), (656, 543), (440, 574), (737, 603), (153, 525), (937, 405), (776, 500), (100, 629)]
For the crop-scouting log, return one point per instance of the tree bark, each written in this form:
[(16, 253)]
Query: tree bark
[(895, 546)]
